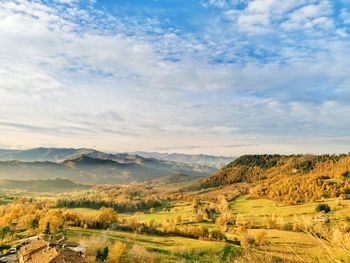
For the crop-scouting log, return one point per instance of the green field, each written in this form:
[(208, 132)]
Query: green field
[(167, 248), (5, 200), (265, 207), (292, 245), (182, 209), (285, 244)]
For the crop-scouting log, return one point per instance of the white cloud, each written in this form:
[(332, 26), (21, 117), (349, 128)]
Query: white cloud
[(116, 86), (310, 16)]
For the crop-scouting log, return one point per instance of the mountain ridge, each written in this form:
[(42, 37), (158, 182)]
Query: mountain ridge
[(90, 166), (209, 160)]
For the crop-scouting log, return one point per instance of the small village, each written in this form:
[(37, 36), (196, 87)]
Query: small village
[(37, 250)]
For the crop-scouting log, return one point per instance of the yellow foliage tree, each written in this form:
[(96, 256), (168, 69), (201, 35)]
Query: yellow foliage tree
[(116, 252)]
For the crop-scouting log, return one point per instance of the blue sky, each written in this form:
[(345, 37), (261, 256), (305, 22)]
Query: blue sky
[(223, 77)]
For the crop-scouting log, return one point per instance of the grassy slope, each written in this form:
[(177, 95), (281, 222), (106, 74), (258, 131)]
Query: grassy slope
[(5, 201), (286, 244), (166, 249), (262, 207), (292, 245), (50, 185), (265, 207), (182, 209)]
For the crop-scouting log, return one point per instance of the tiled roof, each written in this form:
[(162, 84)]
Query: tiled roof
[(39, 252), (67, 257), (31, 247), (44, 256)]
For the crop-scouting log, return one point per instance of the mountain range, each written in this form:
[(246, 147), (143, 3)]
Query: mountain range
[(203, 159), (91, 166)]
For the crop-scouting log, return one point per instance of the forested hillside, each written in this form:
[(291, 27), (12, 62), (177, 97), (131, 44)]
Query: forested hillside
[(291, 179)]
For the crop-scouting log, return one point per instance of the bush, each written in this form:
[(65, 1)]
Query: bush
[(140, 254), (323, 207), (247, 241), (261, 237)]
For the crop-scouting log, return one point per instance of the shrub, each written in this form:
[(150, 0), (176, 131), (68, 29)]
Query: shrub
[(247, 241), (322, 207), (261, 237), (140, 254), (218, 235)]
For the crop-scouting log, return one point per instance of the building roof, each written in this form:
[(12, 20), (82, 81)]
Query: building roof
[(33, 246), (68, 256), (39, 252), (44, 256)]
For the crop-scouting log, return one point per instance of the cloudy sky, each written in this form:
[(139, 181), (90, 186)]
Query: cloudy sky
[(223, 77)]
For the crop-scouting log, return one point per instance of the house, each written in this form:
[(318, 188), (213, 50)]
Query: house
[(40, 251), (26, 252)]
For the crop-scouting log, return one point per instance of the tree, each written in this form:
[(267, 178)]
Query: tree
[(98, 255), (47, 230), (178, 220), (4, 231), (105, 252), (323, 207), (224, 205), (55, 218), (93, 244), (107, 216), (116, 252), (102, 254), (34, 223)]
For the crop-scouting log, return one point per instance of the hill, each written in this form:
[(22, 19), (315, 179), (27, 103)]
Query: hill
[(289, 179), (50, 185), (208, 160)]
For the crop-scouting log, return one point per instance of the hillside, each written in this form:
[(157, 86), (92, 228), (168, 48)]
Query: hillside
[(290, 179), (50, 185)]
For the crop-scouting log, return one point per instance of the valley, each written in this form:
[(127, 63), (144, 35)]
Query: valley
[(178, 218)]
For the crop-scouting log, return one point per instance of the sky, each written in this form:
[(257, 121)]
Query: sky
[(223, 77)]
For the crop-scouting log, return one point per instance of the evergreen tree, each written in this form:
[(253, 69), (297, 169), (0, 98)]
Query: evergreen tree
[(47, 230)]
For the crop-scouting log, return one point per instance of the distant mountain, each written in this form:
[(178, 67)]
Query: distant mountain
[(90, 166), (62, 154), (50, 185), (38, 154), (208, 160)]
